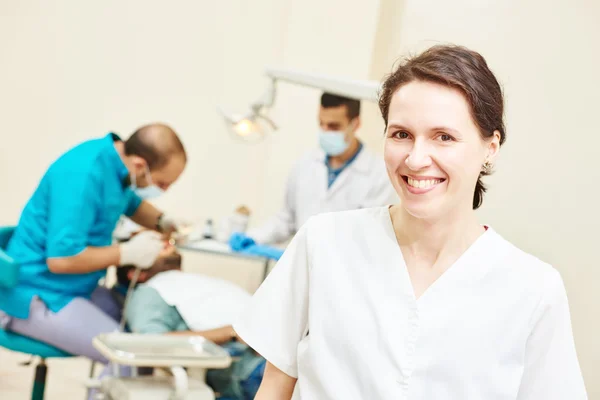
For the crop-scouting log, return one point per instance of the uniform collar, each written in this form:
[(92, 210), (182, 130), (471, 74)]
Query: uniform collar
[(362, 163), (348, 161), (115, 159)]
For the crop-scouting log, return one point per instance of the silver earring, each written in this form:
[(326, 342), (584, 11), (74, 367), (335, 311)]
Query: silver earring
[(486, 167)]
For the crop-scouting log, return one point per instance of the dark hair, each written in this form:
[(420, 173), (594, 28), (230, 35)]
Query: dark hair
[(162, 264), (459, 68), (329, 100), (123, 274), (156, 144)]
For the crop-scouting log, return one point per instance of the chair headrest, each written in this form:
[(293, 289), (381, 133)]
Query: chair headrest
[(6, 233), (9, 269)]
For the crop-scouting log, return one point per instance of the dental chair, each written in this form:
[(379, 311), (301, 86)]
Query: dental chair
[(9, 276)]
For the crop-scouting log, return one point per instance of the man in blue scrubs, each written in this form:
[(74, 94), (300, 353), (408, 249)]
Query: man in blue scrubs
[(63, 240)]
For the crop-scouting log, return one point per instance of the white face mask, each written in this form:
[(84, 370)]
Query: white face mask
[(149, 192)]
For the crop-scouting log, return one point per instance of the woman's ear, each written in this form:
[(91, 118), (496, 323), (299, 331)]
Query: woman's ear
[(493, 147)]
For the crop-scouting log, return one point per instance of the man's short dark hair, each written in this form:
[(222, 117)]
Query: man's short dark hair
[(155, 143), (329, 100)]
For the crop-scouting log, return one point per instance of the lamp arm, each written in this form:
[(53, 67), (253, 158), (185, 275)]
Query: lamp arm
[(267, 99), (268, 120), (356, 89)]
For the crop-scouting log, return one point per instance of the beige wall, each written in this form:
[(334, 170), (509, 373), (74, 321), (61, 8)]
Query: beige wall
[(544, 196), (72, 70)]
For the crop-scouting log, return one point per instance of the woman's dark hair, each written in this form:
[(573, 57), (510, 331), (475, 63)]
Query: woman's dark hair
[(459, 68)]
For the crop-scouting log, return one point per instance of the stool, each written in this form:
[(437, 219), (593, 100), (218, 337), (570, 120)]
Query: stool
[(9, 275)]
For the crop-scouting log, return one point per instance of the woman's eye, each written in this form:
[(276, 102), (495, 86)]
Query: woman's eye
[(401, 135), (446, 138)]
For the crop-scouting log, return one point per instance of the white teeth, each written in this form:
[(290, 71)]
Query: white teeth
[(423, 183)]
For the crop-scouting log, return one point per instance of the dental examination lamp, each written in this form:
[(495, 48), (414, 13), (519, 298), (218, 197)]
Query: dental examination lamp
[(253, 125)]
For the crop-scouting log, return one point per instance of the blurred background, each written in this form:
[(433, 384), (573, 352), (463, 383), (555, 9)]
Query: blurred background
[(73, 70)]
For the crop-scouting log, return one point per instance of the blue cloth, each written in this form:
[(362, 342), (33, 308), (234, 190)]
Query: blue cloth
[(241, 243), (333, 173), (77, 204)]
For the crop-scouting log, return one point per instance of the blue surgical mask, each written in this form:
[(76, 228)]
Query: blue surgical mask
[(333, 143), (149, 192)]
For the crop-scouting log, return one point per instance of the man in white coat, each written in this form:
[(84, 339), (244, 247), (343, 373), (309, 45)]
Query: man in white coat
[(341, 175)]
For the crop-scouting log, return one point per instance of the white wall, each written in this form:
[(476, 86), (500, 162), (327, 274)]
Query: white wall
[(543, 196)]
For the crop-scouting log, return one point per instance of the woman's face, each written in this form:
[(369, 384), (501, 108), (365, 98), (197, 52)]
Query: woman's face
[(433, 150)]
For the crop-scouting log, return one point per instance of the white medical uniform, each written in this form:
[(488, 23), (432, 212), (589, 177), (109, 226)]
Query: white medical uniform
[(494, 326), (363, 183)]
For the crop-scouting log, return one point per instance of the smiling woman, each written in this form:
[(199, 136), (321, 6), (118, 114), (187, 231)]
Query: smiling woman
[(441, 306), (450, 84)]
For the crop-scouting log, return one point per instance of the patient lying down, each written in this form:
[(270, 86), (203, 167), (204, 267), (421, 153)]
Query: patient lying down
[(170, 301)]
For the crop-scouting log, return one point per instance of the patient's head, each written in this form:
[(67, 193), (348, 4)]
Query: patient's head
[(169, 259)]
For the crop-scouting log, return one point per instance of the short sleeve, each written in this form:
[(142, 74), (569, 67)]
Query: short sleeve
[(72, 208), (552, 370), (133, 202), (277, 317)]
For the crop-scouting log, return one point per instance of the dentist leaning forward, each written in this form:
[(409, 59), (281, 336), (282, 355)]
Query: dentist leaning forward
[(63, 240)]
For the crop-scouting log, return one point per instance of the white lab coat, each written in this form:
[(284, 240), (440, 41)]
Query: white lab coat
[(339, 313), (362, 184)]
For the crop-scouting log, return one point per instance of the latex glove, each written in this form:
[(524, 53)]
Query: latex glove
[(169, 224), (264, 251), (142, 250), (239, 242)]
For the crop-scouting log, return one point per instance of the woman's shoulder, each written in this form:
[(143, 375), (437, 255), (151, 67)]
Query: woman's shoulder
[(519, 263)]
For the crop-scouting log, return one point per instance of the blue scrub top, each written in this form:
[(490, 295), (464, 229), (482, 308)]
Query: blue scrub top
[(77, 204)]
